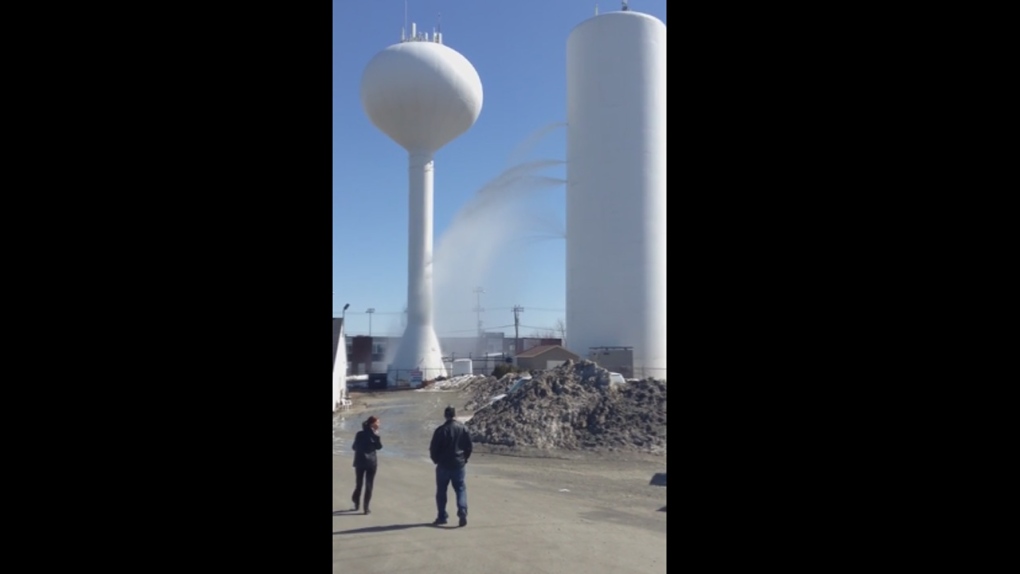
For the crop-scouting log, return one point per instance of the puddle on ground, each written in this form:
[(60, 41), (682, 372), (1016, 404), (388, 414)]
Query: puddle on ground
[(340, 425), (405, 432)]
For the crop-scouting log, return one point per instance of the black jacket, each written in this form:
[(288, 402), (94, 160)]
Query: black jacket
[(451, 445), (366, 442)]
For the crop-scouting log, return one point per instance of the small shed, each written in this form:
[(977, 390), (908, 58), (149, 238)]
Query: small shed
[(544, 357), (462, 367)]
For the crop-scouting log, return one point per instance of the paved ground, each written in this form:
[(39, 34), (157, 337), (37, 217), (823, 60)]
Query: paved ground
[(555, 515)]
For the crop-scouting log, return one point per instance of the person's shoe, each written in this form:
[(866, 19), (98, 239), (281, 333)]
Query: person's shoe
[(462, 521), (439, 522), (367, 511), (356, 504)]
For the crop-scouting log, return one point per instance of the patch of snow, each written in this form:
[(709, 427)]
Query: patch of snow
[(517, 384), (451, 384)]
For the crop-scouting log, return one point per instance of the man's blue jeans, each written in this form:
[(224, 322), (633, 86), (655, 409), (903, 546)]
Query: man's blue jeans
[(444, 477)]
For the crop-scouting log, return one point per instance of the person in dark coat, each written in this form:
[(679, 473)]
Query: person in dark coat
[(450, 450), (366, 442)]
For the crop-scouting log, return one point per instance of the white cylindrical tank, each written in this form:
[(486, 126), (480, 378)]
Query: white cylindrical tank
[(462, 367), (616, 187)]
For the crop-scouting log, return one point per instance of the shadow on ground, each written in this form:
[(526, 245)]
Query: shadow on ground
[(663, 509), (347, 512), (382, 528)]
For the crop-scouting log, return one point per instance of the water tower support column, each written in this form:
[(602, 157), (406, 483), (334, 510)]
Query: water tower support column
[(419, 239), (419, 347)]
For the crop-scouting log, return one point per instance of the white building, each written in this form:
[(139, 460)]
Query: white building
[(339, 363)]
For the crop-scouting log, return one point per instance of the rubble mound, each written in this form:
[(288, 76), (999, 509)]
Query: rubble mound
[(575, 406), (481, 391)]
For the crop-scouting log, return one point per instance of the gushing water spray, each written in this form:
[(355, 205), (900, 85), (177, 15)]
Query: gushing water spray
[(518, 155), (499, 222)]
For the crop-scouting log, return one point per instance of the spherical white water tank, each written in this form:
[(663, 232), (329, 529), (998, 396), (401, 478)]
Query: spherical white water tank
[(616, 187), (462, 367), (421, 94)]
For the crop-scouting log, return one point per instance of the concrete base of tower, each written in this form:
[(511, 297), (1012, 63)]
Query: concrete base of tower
[(418, 357)]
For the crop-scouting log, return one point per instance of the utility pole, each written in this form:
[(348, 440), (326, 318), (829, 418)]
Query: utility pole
[(517, 323), (370, 311), (478, 308), (478, 311)]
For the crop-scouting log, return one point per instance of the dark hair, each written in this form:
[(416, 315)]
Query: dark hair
[(450, 412), (368, 422)]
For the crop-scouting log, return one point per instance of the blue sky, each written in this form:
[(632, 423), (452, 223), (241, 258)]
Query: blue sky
[(519, 51)]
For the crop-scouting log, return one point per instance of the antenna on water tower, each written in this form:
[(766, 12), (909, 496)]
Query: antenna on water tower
[(596, 8), (625, 7)]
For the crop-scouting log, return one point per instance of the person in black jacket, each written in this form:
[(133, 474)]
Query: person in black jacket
[(450, 451), (366, 442)]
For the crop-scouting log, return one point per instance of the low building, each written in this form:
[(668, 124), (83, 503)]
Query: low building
[(544, 357), (369, 354), (471, 347), (616, 359), (510, 345)]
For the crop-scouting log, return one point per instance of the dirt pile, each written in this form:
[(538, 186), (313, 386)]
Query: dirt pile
[(481, 391), (575, 406)]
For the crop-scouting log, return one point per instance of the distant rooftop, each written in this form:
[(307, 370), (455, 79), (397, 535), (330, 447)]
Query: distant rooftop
[(536, 351)]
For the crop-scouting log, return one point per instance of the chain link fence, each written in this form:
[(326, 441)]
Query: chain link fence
[(416, 378)]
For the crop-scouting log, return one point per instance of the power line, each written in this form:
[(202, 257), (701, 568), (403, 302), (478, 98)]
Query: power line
[(471, 330), (455, 312), (553, 329), (529, 307)]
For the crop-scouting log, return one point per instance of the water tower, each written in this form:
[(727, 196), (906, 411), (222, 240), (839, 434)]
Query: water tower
[(422, 94)]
